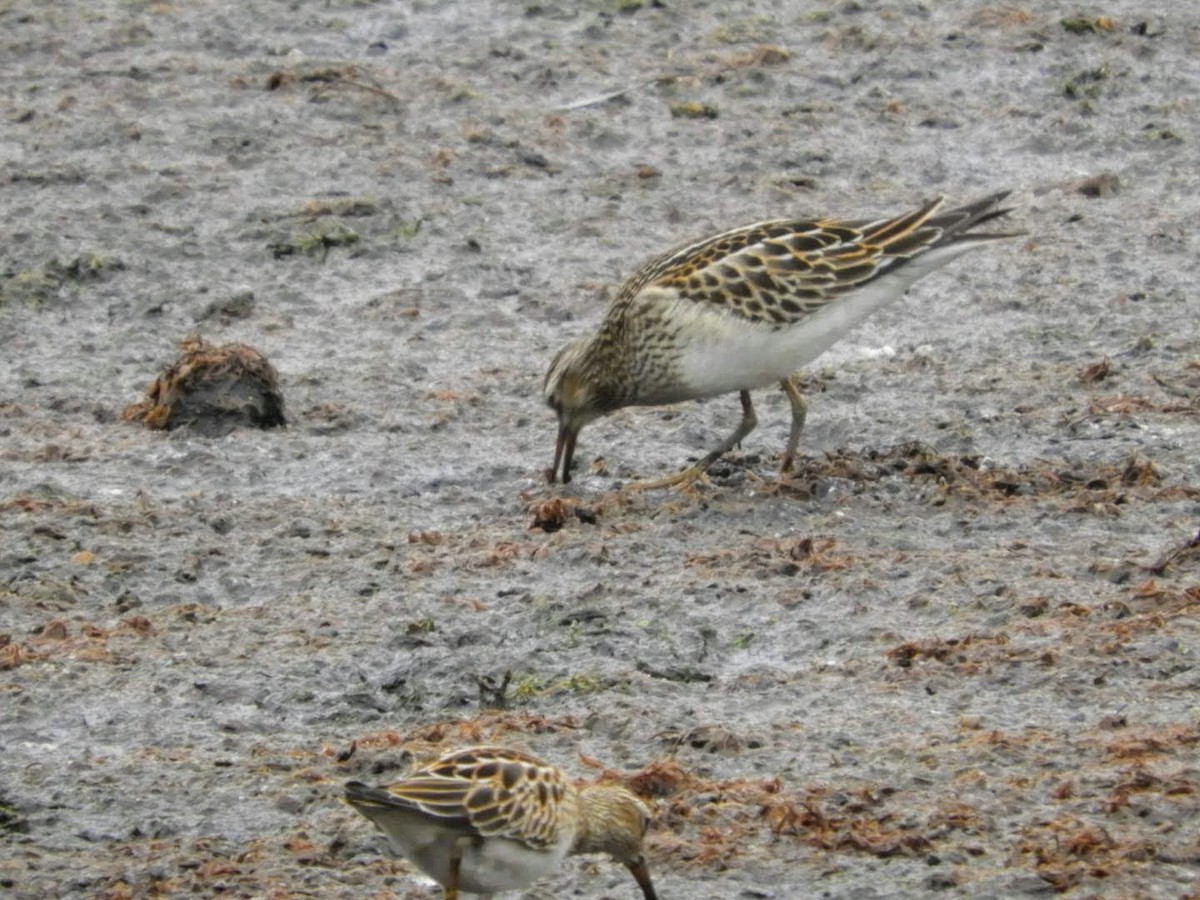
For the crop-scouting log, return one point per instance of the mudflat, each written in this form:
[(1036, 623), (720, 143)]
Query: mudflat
[(955, 653)]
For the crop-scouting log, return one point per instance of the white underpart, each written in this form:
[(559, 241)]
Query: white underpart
[(727, 353), (502, 865), (493, 865)]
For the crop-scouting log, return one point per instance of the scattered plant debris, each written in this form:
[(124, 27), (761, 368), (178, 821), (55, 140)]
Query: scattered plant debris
[(212, 390)]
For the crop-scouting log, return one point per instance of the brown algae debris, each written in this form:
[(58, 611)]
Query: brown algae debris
[(212, 390)]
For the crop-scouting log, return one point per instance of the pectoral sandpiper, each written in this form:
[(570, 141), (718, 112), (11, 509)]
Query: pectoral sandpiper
[(745, 309), (488, 819)]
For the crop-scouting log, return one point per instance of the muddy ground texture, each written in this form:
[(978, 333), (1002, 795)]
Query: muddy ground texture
[(956, 653)]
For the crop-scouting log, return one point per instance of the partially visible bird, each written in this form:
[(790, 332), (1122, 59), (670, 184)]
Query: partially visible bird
[(488, 819), (745, 309)]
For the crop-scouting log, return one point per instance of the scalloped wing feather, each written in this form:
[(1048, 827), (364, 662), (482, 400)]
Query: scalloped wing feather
[(496, 791), (780, 272)]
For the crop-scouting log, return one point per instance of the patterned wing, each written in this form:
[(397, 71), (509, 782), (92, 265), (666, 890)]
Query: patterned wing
[(780, 272), (497, 791)]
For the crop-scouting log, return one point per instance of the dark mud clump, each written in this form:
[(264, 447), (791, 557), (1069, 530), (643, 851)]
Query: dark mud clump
[(212, 391)]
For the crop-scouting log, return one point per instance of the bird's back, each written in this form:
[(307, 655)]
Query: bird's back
[(747, 307)]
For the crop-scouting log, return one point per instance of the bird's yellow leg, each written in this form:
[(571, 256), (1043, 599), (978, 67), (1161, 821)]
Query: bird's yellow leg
[(692, 472), (450, 888), (799, 413)]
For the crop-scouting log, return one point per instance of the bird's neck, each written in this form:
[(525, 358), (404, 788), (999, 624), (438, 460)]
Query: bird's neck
[(596, 820), (610, 362)]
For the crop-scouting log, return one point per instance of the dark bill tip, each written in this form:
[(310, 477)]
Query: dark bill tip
[(641, 874), (564, 454)]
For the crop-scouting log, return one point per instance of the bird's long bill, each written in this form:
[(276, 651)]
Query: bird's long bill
[(641, 874), (564, 452)]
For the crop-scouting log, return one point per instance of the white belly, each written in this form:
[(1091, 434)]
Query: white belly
[(735, 356), (488, 866), (502, 865), (721, 352)]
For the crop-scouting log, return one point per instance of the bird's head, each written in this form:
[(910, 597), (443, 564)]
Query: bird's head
[(573, 393), (615, 821)]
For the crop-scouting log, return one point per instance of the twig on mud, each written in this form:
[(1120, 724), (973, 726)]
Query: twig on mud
[(491, 694), (602, 98), (370, 87)]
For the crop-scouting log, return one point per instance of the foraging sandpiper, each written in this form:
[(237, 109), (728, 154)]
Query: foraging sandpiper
[(488, 819), (745, 309)]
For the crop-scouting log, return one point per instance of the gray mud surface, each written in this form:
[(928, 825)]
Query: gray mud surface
[(955, 655)]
